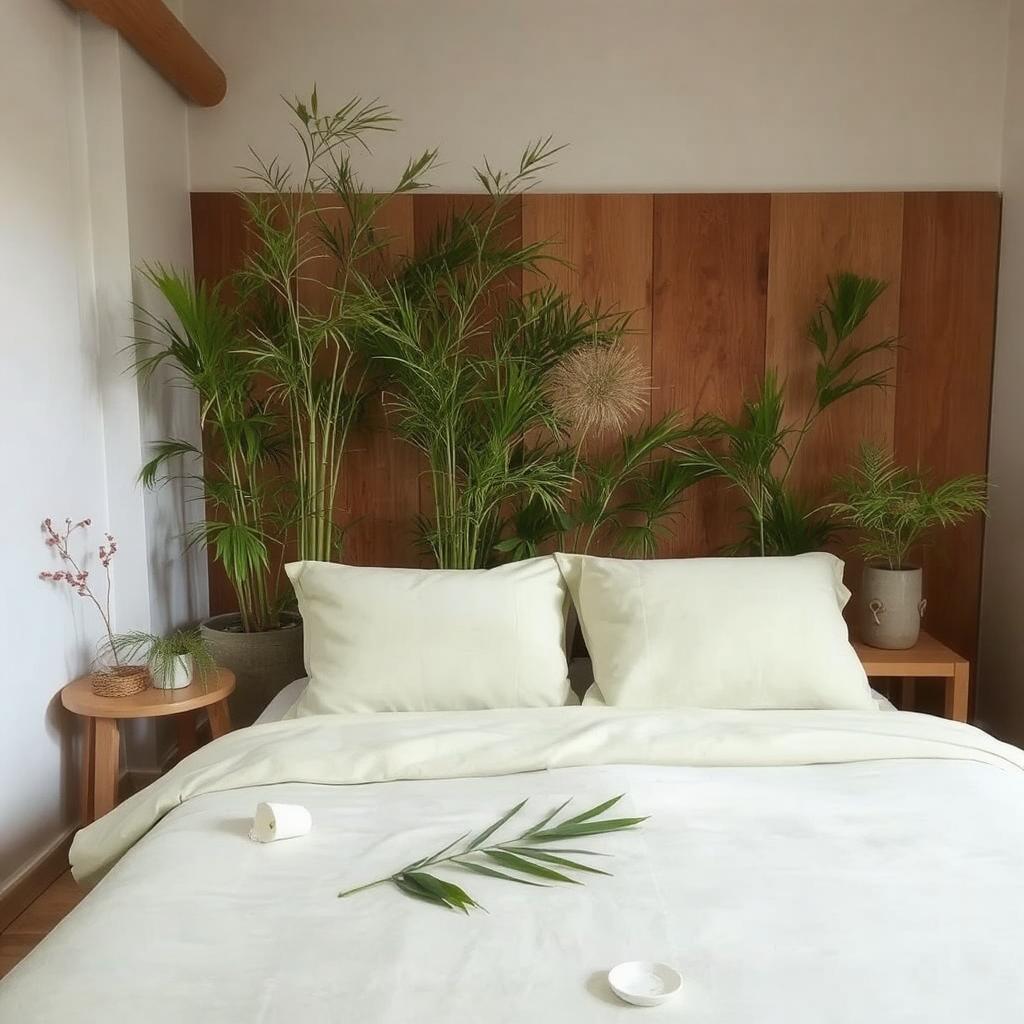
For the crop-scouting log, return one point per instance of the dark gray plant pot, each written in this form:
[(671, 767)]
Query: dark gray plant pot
[(263, 663), (890, 607)]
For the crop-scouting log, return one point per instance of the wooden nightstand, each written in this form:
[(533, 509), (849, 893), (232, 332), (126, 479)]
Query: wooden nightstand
[(927, 659), (101, 748)]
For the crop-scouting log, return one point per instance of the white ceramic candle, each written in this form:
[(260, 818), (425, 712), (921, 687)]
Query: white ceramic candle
[(280, 821)]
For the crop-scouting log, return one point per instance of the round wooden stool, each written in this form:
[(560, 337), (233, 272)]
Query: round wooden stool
[(101, 749)]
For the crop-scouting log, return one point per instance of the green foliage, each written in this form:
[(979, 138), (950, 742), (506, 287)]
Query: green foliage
[(201, 342), (517, 860), (306, 284), (623, 497), (159, 652), (464, 379), (756, 454), (893, 507)]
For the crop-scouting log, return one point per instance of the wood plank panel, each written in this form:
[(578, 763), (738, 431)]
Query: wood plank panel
[(709, 303), (604, 243), (220, 237), (600, 249), (431, 212), (813, 237), (220, 242), (943, 395), (378, 497)]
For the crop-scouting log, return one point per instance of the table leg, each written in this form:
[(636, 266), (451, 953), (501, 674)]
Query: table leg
[(106, 760), (907, 693), (957, 692), (87, 772), (220, 718), (186, 725)]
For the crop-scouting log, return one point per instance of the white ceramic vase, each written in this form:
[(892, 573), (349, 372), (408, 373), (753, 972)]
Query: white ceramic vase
[(176, 674), (891, 607)]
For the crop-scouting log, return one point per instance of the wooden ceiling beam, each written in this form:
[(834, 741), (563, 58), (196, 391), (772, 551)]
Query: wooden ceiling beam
[(163, 41)]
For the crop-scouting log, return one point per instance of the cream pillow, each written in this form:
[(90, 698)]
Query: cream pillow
[(718, 632), (431, 639)]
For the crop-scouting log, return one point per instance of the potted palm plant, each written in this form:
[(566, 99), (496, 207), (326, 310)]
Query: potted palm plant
[(893, 508), (246, 503)]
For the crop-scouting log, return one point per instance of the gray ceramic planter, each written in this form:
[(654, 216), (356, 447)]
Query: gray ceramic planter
[(263, 663), (890, 607)]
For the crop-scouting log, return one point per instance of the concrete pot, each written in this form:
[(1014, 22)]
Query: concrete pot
[(891, 607), (175, 675), (263, 663)]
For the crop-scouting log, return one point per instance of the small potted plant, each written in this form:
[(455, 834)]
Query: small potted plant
[(174, 661), (893, 508)]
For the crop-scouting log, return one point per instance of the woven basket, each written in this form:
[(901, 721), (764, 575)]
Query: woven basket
[(122, 681)]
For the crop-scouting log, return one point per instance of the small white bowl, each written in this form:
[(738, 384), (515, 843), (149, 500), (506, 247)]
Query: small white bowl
[(644, 982)]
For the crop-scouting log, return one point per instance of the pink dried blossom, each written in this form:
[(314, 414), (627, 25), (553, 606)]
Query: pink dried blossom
[(76, 577)]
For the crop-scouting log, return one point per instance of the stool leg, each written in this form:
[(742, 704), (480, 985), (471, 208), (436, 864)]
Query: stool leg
[(87, 772), (186, 723), (220, 718), (106, 760), (907, 688), (957, 692)]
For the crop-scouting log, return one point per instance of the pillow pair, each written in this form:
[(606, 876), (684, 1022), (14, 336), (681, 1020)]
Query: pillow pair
[(699, 632)]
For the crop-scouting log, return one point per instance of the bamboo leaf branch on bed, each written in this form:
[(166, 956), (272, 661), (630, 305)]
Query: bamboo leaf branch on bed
[(513, 860)]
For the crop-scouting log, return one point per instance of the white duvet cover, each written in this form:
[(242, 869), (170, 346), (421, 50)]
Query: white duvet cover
[(798, 867)]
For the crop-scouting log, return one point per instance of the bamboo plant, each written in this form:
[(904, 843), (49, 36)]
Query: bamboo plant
[(306, 281), (464, 380)]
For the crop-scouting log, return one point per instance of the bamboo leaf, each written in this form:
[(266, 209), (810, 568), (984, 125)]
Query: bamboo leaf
[(594, 811), (450, 893), (434, 856), (411, 888), (548, 817), (585, 828), (491, 829), (510, 860), (550, 858), (482, 869)]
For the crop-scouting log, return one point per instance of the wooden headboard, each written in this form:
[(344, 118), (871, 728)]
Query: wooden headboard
[(723, 286)]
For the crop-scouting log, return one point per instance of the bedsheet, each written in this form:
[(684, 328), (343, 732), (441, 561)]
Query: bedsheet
[(797, 867)]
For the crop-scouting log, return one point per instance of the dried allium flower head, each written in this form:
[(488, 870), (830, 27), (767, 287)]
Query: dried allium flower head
[(598, 388)]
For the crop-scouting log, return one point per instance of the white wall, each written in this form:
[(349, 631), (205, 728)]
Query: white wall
[(71, 423), (667, 95), (1001, 657), (51, 427)]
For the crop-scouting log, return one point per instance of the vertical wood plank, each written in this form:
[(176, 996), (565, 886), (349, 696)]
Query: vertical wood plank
[(431, 211), (220, 237), (812, 238), (709, 305), (379, 492), (220, 241), (605, 243), (947, 321), (600, 249)]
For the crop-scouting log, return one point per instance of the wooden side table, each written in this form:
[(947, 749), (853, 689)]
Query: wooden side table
[(101, 748), (928, 658)]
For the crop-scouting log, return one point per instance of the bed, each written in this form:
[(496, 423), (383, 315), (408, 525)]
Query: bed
[(797, 867)]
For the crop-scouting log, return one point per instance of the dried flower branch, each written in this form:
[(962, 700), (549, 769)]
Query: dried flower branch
[(75, 576)]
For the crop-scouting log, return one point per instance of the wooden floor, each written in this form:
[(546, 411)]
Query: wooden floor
[(38, 920)]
